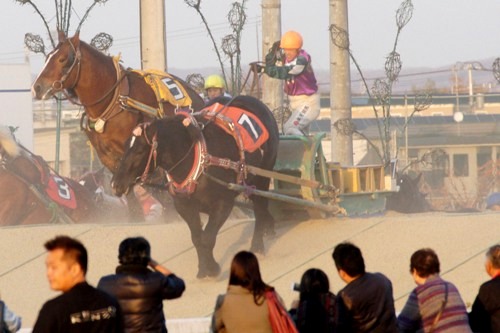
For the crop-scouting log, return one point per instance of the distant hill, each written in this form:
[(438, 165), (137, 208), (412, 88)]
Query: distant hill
[(440, 78)]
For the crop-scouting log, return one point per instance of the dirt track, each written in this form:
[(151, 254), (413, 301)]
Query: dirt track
[(387, 241)]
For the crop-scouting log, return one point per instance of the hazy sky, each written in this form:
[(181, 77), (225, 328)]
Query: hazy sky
[(440, 33)]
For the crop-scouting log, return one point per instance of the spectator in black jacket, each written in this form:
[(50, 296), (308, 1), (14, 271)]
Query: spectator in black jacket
[(140, 285), (366, 303), (485, 314), (80, 308)]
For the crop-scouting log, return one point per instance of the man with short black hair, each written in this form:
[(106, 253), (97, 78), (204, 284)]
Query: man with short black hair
[(485, 314), (140, 285), (366, 303), (80, 308)]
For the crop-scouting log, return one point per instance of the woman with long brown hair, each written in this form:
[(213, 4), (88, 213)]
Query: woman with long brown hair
[(244, 306)]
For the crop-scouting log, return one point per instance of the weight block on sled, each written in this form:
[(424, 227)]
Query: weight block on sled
[(366, 178), (336, 175), (301, 157), (352, 180)]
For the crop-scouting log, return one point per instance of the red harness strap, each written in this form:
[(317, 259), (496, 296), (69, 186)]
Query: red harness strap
[(188, 185), (202, 160)]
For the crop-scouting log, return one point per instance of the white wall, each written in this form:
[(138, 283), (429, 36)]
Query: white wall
[(16, 102)]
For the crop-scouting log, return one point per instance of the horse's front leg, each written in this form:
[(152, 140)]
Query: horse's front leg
[(204, 239), (189, 211), (264, 223), (218, 214)]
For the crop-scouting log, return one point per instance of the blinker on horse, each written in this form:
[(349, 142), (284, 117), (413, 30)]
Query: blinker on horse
[(200, 156), (115, 99)]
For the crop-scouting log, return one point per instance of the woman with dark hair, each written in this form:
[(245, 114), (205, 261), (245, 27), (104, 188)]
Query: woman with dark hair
[(244, 307), (314, 312), (434, 305), (140, 285)]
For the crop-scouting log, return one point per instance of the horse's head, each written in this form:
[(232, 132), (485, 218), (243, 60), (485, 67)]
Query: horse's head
[(409, 185), (166, 143), (408, 199), (61, 70), (139, 159)]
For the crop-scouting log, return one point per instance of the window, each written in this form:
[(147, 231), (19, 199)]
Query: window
[(461, 165), (484, 161), (440, 165)]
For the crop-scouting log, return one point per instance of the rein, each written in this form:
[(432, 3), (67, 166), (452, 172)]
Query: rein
[(153, 143)]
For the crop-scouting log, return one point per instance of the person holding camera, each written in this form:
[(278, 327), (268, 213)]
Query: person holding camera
[(140, 285), (314, 311)]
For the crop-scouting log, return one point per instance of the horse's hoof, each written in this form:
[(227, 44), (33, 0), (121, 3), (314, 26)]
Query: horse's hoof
[(214, 271), (208, 272), (201, 275)]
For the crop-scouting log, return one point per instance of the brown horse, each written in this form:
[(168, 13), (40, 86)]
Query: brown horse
[(115, 99), (30, 192)]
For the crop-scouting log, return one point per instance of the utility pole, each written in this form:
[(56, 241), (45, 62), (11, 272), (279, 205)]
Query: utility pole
[(153, 35), (340, 89), (272, 94)]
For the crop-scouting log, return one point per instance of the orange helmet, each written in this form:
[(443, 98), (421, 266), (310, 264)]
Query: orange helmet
[(291, 40)]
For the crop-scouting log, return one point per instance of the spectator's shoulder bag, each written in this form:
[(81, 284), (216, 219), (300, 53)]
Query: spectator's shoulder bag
[(278, 316)]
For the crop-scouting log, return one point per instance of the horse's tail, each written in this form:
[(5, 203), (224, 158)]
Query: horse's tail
[(8, 143)]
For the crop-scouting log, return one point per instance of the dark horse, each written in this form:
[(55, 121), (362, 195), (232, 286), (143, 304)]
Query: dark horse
[(408, 199), (32, 193), (200, 158), (115, 99)]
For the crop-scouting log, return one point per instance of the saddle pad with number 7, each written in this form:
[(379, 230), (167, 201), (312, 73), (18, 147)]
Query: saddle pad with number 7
[(252, 132)]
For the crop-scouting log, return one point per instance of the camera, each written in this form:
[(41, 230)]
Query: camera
[(296, 287)]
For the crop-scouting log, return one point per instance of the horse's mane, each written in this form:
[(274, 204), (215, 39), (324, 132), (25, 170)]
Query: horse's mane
[(8, 143)]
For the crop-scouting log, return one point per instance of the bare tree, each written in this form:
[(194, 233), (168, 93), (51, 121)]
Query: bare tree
[(496, 69), (230, 44), (63, 9), (381, 91)]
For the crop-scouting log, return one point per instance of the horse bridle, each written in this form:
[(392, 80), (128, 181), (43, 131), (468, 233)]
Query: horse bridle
[(59, 84)]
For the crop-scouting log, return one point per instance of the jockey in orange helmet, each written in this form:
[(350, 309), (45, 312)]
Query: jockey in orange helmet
[(288, 61)]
